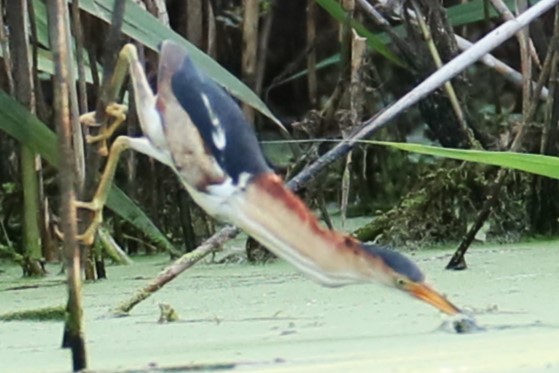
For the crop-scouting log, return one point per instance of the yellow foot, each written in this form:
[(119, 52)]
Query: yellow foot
[(117, 112)]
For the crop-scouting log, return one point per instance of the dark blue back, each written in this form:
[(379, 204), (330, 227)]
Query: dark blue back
[(241, 153)]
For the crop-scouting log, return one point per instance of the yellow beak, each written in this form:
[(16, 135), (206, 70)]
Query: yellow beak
[(429, 295)]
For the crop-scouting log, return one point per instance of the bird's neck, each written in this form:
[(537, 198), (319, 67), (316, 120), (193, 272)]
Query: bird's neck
[(283, 223)]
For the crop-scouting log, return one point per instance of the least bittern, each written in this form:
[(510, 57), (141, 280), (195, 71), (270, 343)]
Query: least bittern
[(193, 126)]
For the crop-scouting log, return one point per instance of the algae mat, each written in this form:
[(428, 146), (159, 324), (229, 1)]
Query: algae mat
[(270, 319)]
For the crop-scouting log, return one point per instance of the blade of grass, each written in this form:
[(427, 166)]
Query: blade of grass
[(461, 14), (373, 41), (146, 29), (533, 163), (19, 123)]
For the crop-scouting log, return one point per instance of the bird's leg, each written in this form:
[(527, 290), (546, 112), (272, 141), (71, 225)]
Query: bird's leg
[(100, 198), (126, 57), (122, 143), (118, 112)]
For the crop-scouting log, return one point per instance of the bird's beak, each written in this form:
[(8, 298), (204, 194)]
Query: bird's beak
[(427, 294)]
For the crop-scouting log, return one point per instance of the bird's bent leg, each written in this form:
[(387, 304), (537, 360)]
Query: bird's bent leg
[(118, 112), (128, 57), (122, 143), (100, 198)]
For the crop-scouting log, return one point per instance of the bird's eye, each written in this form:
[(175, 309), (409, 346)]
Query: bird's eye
[(400, 282)]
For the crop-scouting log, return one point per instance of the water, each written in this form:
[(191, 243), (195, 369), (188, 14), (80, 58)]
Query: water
[(270, 319)]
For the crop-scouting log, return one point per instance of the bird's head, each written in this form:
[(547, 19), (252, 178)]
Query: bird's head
[(397, 271)]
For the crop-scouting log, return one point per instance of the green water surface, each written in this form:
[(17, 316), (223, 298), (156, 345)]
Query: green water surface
[(271, 319)]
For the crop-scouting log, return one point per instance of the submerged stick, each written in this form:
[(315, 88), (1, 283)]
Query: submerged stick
[(433, 82), (179, 266)]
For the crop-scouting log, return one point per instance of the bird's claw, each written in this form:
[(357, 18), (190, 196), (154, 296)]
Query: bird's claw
[(117, 112)]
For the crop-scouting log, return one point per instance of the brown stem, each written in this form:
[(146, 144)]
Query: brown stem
[(24, 91), (311, 57), (179, 266), (529, 104), (74, 334), (263, 43), (250, 48)]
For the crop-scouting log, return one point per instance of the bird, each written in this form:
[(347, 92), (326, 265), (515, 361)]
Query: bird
[(196, 128)]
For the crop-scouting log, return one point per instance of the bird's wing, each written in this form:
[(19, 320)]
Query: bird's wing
[(227, 135), (194, 163)]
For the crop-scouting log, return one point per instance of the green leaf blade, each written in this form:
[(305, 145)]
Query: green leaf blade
[(19, 123), (538, 164), (146, 29)]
